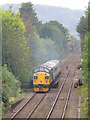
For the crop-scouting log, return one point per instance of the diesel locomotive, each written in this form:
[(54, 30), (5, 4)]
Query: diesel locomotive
[(45, 75)]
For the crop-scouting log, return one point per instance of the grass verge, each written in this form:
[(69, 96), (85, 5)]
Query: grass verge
[(83, 92)]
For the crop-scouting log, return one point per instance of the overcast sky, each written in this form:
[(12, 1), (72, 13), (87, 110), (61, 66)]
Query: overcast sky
[(73, 4)]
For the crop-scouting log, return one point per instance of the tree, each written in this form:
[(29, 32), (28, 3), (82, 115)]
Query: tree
[(15, 52), (10, 86), (29, 16), (82, 27), (56, 32)]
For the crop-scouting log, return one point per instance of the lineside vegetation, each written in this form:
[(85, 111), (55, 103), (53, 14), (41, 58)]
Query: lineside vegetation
[(83, 28)]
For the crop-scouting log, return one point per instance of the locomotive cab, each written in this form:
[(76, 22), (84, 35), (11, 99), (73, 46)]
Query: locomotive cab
[(41, 79)]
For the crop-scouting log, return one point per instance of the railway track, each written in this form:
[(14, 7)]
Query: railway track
[(13, 116), (65, 104), (30, 116), (34, 108), (40, 97), (59, 92), (51, 110), (24, 108), (67, 100), (68, 96)]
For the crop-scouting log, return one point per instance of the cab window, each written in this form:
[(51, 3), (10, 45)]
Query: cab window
[(41, 69)]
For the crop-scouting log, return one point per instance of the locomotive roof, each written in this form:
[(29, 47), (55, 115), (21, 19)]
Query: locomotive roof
[(50, 64)]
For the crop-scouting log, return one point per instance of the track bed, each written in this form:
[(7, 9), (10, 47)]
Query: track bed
[(50, 105)]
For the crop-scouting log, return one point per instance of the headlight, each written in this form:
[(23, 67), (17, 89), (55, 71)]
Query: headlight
[(46, 77), (35, 77)]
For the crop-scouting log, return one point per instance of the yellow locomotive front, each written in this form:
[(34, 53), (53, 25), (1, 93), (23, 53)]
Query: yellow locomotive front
[(41, 79)]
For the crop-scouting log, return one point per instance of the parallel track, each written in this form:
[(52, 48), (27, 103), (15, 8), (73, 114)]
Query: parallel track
[(67, 100), (12, 117), (55, 101), (35, 107), (27, 104)]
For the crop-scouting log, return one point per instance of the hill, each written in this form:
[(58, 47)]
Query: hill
[(66, 16)]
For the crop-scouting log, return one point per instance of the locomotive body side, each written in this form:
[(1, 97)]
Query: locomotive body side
[(56, 71)]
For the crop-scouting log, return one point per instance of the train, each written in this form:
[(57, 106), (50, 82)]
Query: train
[(45, 75)]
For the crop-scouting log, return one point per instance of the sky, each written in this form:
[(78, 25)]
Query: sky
[(72, 4)]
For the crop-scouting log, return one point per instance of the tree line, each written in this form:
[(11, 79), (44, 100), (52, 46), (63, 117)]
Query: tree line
[(83, 28)]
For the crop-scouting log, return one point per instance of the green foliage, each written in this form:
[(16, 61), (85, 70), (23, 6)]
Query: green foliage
[(83, 91), (56, 32), (10, 86), (42, 50), (29, 16), (52, 40), (16, 53), (27, 10), (46, 50), (85, 57), (84, 30), (88, 16), (49, 29), (82, 27)]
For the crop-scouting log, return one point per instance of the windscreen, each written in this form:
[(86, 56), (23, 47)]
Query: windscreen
[(41, 69)]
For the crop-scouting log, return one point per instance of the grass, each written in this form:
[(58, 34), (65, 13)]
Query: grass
[(83, 92)]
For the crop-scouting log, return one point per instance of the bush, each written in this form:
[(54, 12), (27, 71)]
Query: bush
[(10, 87)]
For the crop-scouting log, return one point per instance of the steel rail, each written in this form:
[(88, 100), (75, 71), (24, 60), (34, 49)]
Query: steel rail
[(51, 110), (30, 114), (35, 107), (67, 99), (13, 116)]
